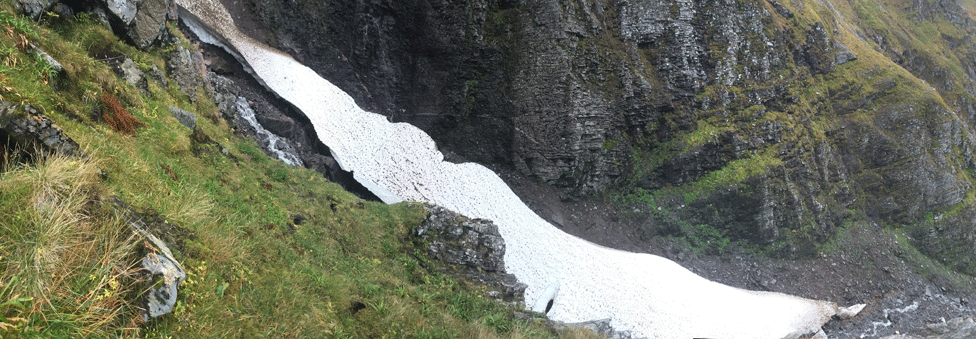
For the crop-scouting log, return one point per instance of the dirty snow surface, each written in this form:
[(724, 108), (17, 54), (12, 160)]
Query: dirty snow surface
[(642, 293)]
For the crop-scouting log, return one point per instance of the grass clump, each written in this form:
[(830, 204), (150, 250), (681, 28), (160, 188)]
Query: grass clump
[(66, 262)]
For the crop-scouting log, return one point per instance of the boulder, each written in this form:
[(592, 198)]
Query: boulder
[(63, 11), (130, 72), (34, 8), (158, 76), (27, 128), (471, 249), (142, 22), (278, 124), (844, 54), (164, 271), (186, 118)]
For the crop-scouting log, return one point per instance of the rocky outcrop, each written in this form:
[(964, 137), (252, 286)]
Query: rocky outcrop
[(34, 8), (468, 248), (25, 128), (129, 71), (532, 109), (141, 22), (240, 98), (186, 69)]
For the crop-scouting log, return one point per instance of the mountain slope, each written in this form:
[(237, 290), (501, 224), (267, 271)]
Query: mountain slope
[(270, 250), (767, 124)]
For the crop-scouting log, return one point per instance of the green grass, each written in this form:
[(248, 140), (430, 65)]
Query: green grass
[(66, 260)]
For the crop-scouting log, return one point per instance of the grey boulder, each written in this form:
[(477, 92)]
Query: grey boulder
[(470, 249), (186, 118)]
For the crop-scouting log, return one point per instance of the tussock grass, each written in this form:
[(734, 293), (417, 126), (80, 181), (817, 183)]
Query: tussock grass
[(67, 259)]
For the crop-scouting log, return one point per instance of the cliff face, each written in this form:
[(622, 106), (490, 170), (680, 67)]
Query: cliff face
[(773, 123)]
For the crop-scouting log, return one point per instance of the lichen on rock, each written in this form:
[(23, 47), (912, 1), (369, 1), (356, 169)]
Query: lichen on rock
[(469, 248)]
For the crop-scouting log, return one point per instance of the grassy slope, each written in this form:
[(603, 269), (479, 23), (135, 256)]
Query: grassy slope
[(66, 262)]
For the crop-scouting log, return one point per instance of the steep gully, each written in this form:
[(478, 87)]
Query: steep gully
[(645, 294)]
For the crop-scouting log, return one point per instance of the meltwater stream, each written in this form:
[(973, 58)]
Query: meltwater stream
[(642, 293)]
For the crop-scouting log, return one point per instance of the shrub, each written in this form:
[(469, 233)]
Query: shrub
[(118, 117)]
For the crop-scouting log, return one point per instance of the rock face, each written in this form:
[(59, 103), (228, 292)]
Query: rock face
[(141, 22), (236, 96), (471, 249), (183, 67), (28, 129), (748, 116)]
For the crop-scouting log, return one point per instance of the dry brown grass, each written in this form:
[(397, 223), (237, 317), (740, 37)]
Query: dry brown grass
[(70, 257), (117, 116)]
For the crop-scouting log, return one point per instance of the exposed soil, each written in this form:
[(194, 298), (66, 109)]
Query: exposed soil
[(866, 265)]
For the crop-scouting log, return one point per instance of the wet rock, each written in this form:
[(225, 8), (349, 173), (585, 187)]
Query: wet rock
[(225, 96), (164, 271), (184, 70), (956, 328), (29, 129), (186, 118), (279, 124), (469, 248)]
